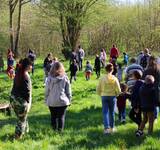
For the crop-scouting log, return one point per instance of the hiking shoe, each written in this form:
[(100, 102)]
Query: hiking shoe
[(139, 133), (107, 131), (113, 130)]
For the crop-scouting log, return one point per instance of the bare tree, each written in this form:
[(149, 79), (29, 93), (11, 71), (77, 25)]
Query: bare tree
[(71, 16), (14, 38)]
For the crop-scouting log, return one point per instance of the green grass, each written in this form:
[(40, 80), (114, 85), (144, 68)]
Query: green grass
[(83, 127)]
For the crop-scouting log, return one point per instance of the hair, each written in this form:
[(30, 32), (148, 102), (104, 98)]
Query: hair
[(20, 75), (149, 79), (109, 67), (133, 60), (146, 51), (137, 74), (50, 54), (57, 69), (152, 64), (124, 87), (87, 62)]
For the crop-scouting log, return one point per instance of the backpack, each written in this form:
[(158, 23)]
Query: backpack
[(144, 61)]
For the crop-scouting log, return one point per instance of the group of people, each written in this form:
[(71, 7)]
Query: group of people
[(11, 70), (141, 87)]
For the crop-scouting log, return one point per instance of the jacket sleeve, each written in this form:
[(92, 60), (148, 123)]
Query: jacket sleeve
[(117, 87), (47, 89), (27, 88), (68, 90)]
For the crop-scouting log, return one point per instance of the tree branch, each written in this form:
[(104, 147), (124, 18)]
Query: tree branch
[(25, 2)]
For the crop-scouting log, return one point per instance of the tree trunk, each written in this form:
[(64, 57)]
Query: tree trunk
[(11, 25), (18, 28)]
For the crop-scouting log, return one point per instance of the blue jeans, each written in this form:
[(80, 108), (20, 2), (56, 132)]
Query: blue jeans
[(122, 114), (108, 106), (156, 111)]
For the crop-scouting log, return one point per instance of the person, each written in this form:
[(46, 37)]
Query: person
[(145, 59), (80, 57), (1, 63), (114, 53), (115, 66), (58, 95), (139, 57), (103, 57), (97, 66), (135, 112), (125, 58), (10, 64), (108, 88), (129, 73), (148, 104), (121, 102), (119, 72), (32, 57), (154, 69), (88, 70), (73, 69), (73, 55), (21, 97), (47, 65)]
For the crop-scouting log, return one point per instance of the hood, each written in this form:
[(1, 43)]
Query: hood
[(56, 79), (109, 78)]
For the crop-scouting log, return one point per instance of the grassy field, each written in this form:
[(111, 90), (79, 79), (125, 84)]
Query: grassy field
[(83, 128)]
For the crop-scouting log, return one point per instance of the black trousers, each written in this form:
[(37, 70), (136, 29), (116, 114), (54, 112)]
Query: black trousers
[(58, 117), (135, 117)]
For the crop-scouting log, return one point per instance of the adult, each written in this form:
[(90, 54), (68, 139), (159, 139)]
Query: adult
[(139, 57), (58, 95), (129, 72), (21, 97), (108, 88), (145, 59), (32, 57), (154, 69), (103, 57), (81, 55), (73, 56), (47, 65), (114, 52)]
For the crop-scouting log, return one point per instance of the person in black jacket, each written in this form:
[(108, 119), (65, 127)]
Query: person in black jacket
[(21, 97), (47, 65), (73, 69), (148, 104), (135, 113), (97, 66)]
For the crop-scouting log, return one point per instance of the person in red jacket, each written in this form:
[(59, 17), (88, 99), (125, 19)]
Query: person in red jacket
[(114, 52)]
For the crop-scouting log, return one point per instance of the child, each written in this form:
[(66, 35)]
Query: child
[(148, 104), (135, 113), (119, 72), (97, 66), (125, 59), (88, 70), (1, 63), (58, 95), (73, 69), (121, 103), (10, 64)]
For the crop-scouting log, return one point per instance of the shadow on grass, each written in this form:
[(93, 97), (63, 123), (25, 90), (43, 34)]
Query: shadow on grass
[(85, 124)]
